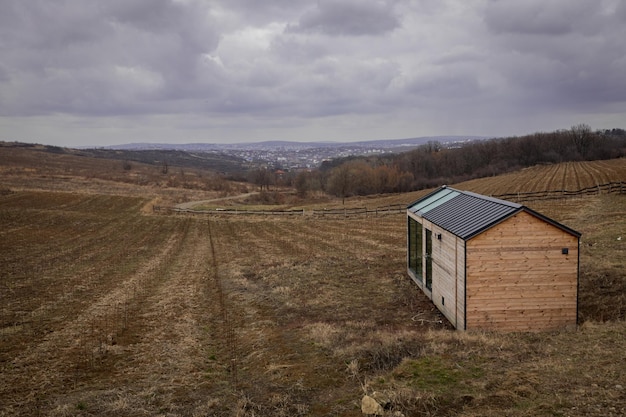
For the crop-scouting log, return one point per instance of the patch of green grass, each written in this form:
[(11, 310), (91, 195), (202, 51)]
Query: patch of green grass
[(437, 374)]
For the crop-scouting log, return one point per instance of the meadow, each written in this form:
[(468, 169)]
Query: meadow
[(109, 309)]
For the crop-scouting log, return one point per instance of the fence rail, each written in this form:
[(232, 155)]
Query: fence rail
[(361, 211), (347, 212), (608, 188), (521, 197), (173, 210)]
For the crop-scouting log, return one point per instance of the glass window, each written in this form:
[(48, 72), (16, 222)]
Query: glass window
[(415, 248), (429, 259)]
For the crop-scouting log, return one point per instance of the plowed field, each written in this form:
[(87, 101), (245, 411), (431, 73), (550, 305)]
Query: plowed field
[(569, 176), (108, 311)]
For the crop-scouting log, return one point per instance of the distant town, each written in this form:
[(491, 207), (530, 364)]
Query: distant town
[(301, 155)]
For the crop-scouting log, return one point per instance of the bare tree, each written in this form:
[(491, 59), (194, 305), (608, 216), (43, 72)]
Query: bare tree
[(263, 178), (340, 181), (582, 137), (302, 183)]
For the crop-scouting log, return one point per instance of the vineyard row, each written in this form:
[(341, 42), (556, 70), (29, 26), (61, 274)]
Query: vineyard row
[(608, 188)]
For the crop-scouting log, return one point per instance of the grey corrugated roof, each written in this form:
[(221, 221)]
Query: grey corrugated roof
[(467, 215), (463, 213)]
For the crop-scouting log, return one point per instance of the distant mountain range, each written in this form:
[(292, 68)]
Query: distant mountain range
[(397, 144)]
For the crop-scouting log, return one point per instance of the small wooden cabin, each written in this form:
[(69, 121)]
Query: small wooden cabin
[(492, 264)]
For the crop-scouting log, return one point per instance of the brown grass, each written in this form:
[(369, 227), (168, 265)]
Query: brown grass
[(105, 310)]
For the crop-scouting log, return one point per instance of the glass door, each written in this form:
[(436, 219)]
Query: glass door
[(429, 260), (415, 248)]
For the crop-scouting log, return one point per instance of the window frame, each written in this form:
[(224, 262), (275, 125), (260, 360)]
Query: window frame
[(415, 249)]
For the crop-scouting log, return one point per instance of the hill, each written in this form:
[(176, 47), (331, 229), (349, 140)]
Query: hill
[(434, 163), (401, 144), (108, 309), (211, 161), (115, 172)]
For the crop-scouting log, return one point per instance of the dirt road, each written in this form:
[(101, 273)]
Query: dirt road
[(191, 204)]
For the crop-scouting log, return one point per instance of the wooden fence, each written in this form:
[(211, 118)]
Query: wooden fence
[(608, 188), (521, 197), (361, 211), (345, 212), (219, 211)]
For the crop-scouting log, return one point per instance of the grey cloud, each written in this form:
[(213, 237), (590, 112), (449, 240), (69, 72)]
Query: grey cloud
[(92, 57), (43, 25), (242, 64), (537, 17), (299, 50), (257, 12), (566, 54), (445, 86), (348, 18)]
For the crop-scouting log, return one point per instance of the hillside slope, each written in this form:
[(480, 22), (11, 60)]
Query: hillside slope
[(105, 310)]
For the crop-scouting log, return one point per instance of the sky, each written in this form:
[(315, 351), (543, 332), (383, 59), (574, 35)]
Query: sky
[(97, 73)]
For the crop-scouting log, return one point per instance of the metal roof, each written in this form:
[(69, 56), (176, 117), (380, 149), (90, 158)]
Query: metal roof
[(466, 214)]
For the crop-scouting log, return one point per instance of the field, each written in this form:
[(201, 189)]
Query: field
[(569, 176), (108, 309)]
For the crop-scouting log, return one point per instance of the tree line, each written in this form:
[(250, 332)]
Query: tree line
[(435, 163)]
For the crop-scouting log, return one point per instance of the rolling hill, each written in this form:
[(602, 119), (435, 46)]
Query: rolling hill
[(109, 309)]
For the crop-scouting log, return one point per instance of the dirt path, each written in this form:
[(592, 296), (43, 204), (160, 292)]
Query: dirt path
[(191, 204)]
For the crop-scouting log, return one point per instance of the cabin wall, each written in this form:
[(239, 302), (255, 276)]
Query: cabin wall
[(448, 273), (460, 284), (518, 279), (444, 259)]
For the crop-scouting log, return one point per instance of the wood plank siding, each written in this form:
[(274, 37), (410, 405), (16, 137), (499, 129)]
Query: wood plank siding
[(460, 284), (518, 278), (444, 258), (492, 264)]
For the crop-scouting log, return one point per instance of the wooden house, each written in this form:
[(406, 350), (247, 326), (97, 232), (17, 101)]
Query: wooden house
[(492, 264)]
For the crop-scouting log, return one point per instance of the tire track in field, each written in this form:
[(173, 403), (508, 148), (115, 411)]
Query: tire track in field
[(552, 173), (74, 247), (536, 179), (162, 363), (565, 175), (613, 170), (273, 358), (298, 240), (272, 239), (605, 173), (78, 281), (304, 237), (228, 331), (47, 367), (595, 174), (586, 176), (357, 237), (576, 176)]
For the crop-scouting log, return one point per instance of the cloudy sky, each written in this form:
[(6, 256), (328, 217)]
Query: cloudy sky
[(94, 72)]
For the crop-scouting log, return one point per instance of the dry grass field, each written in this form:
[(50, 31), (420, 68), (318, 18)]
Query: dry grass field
[(107, 309), (569, 176)]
